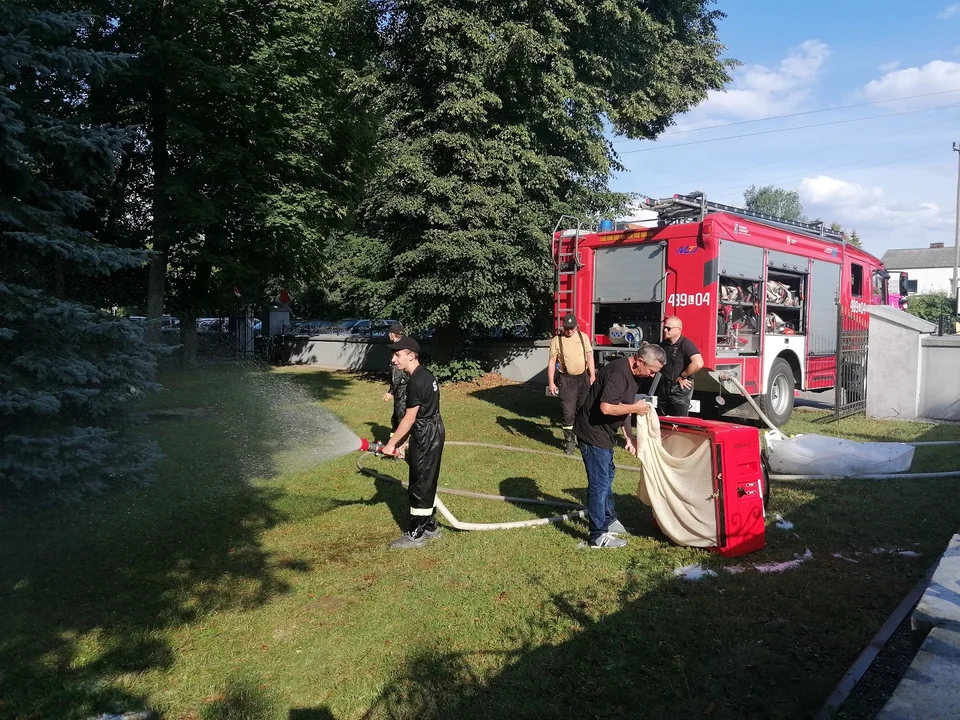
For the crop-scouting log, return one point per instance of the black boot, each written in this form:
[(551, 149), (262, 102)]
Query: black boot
[(570, 442)]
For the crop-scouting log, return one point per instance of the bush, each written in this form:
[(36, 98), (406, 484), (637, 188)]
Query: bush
[(457, 370), (931, 306)]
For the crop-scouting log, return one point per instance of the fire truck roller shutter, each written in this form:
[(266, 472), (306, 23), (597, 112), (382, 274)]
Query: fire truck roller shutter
[(741, 261), (633, 273)]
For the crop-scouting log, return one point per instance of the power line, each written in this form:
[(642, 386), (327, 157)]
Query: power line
[(790, 115), (825, 169), (781, 130), (687, 183)]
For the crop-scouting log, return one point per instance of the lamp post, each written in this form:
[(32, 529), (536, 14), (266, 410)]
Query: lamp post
[(956, 236)]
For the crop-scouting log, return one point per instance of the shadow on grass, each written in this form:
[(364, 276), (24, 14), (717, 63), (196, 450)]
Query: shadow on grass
[(378, 432), (636, 642), (525, 401), (311, 714), (89, 592), (320, 384), (530, 429)]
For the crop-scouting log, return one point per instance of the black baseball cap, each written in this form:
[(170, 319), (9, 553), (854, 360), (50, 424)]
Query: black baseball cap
[(397, 329), (405, 343), (569, 321)]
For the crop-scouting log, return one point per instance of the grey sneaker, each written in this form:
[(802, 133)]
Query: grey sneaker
[(617, 528), (608, 540), (408, 541), (434, 534)]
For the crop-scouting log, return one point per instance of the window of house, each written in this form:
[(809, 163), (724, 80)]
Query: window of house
[(856, 275), (912, 287)]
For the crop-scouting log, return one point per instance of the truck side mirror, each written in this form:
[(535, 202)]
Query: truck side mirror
[(903, 284)]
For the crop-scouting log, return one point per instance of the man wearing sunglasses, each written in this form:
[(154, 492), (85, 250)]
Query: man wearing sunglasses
[(676, 378)]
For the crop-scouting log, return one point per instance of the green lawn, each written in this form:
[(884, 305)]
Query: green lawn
[(249, 583)]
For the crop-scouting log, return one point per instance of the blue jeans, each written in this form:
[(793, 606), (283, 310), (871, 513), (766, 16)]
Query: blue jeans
[(599, 464)]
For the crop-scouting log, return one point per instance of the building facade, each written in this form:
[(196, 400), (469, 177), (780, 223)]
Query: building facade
[(928, 270)]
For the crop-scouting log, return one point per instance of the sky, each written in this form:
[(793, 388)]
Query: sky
[(886, 169)]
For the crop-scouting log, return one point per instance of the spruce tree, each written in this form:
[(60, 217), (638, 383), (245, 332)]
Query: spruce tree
[(69, 372)]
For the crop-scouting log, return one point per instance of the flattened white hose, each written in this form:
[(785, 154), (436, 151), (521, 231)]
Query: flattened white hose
[(888, 476), (579, 511)]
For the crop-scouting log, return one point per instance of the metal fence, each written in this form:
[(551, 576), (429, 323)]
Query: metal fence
[(853, 334)]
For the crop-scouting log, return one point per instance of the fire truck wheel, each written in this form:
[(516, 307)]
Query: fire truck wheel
[(777, 401)]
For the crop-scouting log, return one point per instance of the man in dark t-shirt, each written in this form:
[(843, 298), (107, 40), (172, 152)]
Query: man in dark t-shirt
[(611, 400), (422, 423), (683, 361)]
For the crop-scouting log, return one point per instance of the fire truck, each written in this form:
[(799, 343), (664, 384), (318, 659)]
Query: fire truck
[(761, 297)]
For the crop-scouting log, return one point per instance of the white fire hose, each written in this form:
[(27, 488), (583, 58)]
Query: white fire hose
[(579, 511), (890, 476)]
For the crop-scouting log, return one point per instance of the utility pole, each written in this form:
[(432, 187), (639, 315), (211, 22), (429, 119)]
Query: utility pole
[(956, 237)]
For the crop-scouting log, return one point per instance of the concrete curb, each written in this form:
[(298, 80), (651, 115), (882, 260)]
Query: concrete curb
[(929, 688)]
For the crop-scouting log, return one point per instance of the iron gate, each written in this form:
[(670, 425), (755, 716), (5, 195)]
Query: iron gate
[(853, 332)]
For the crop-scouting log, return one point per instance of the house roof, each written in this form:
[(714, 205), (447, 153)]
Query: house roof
[(911, 258)]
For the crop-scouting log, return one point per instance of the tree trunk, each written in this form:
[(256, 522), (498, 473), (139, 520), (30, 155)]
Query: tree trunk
[(195, 303), (446, 341), (188, 339), (161, 241)]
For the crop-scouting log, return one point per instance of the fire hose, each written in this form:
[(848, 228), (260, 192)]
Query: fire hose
[(578, 511), (900, 476)]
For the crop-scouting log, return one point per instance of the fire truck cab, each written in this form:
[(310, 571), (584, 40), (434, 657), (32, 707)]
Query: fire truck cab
[(761, 297)]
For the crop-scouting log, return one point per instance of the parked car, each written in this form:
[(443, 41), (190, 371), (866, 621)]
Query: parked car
[(343, 327), (310, 327), (213, 324), (381, 328), (167, 322), (373, 328)]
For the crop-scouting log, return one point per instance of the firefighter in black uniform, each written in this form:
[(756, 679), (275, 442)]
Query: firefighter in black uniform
[(676, 378), (422, 423)]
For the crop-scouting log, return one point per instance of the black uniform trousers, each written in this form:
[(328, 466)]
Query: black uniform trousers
[(673, 400), (573, 391), (399, 391), (424, 454)]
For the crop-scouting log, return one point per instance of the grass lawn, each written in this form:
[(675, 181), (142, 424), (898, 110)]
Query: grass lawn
[(246, 584)]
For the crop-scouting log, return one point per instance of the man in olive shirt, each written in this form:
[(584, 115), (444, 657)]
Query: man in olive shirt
[(611, 400), (683, 361), (570, 373)]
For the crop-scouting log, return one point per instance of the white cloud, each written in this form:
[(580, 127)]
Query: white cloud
[(949, 11), (935, 76), (825, 190), (758, 91), (863, 207)]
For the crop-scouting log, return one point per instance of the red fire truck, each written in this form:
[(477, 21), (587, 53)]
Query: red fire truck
[(760, 296)]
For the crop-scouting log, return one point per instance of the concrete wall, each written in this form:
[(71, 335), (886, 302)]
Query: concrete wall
[(894, 365), (910, 373), (940, 389), (522, 361)]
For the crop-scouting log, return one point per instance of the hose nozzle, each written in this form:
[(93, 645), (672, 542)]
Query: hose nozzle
[(375, 446)]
